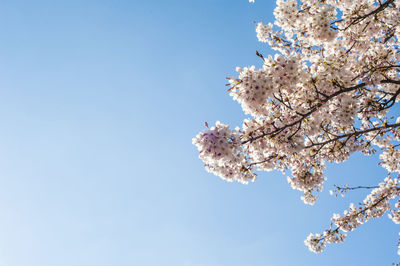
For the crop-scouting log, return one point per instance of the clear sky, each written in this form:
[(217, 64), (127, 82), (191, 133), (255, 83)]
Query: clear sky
[(99, 101)]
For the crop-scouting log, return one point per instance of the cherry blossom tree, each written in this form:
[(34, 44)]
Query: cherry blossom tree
[(329, 91)]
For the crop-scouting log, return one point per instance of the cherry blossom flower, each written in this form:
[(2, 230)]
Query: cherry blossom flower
[(328, 92)]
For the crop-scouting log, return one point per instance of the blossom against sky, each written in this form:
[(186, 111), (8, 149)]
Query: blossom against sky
[(99, 103)]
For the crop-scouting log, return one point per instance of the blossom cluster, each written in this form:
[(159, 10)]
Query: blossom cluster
[(255, 86), (395, 215), (327, 93), (220, 150), (374, 205), (391, 160), (317, 242)]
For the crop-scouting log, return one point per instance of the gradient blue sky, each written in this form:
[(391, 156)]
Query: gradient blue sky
[(99, 101)]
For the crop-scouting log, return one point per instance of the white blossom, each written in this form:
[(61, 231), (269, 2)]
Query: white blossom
[(326, 93)]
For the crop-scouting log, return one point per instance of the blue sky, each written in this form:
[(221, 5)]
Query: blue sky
[(99, 101)]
